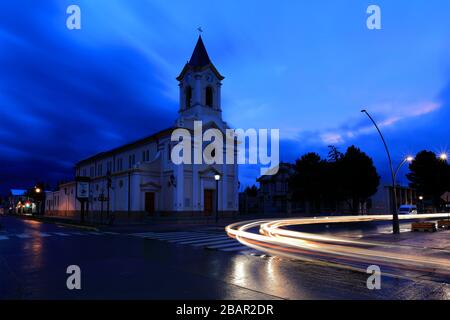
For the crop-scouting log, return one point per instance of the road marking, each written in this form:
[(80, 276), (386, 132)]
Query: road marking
[(4, 238), (170, 236), (210, 243), (42, 234), (95, 233), (156, 235), (78, 233), (200, 241), (61, 234), (110, 232), (190, 238), (240, 247), (23, 236), (220, 246)]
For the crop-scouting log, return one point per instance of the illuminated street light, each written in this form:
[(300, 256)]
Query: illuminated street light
[(443, 156), (421, 198), (405, 160), (38, 190)]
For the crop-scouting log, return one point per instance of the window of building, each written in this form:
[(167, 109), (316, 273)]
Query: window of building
[(131, 161), (119, 164), (169, 152), (91, 172), (209, 97), (188, 95), (100, 170)]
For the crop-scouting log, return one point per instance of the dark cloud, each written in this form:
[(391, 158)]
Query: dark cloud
[(61, 102)]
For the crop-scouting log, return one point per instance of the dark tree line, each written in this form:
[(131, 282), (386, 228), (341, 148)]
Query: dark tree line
[(349, 177), (430, 176)]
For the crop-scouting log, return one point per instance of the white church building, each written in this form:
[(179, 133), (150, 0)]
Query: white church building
[(143, 179)]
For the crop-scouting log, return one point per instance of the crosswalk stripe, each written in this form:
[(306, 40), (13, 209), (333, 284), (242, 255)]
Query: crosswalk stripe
[(4, 238), (95, 233), (174, 237), (43, 234), (78, 233), (217, 242), (61, 234), (23, 236), (110, 232), (190, 238), (240, 247), (162, 236), (204, 240), (220, 246)]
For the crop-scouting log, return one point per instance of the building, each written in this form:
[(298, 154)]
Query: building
[(143, 179), (381, 202), (274, 195)]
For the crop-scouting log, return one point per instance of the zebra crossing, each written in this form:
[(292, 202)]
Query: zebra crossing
[(212, 241), (53, 234)]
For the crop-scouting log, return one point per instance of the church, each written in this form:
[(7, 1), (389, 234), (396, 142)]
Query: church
[(140, 179)]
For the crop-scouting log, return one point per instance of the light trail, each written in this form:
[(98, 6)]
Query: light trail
[(275, 239)]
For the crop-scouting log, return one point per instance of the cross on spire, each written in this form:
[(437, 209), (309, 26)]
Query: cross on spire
[(200, 30)]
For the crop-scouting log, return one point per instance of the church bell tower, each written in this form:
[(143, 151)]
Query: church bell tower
[(200, 90)]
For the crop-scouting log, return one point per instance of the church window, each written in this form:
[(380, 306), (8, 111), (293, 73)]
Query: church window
[(188, 94), (209, 97)]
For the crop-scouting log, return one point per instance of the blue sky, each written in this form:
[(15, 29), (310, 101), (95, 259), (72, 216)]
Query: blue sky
[(305, 67)]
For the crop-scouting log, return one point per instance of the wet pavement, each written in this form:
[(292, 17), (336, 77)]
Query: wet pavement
[(34, 257)]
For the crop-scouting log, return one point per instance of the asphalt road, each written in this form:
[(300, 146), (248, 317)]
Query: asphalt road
[(34, 257)]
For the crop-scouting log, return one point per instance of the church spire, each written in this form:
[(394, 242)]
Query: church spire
[(200, 56), (199, 61)]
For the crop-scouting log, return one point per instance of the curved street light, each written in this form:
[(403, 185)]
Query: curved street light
[(395, 222), (405, 160)]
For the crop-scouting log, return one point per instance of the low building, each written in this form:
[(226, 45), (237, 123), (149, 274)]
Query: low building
[(381, 202)]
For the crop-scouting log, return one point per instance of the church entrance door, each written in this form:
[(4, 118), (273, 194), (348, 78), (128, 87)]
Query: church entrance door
[(208, 202), (150, 203)]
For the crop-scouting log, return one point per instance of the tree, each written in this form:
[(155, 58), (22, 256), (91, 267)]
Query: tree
[(251, 191), (430, 176), (360, 179), (309, 180)]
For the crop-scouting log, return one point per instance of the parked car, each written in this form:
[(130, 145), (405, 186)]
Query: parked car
[(407, 209)]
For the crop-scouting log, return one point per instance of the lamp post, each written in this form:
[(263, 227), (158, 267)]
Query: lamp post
[(217, 178), (395, 223), (405, 160)]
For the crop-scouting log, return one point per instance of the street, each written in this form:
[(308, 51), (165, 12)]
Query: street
[(186, 264)]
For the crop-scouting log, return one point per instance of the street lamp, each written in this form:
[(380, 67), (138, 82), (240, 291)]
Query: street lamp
[(38, 190), (217, 178), (443, 156), (405, 160), (395, 223)]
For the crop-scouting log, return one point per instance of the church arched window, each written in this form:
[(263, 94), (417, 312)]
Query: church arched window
[(188, 95), (209, 97)]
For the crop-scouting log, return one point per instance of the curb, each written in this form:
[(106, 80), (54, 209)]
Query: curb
[(61, 223)]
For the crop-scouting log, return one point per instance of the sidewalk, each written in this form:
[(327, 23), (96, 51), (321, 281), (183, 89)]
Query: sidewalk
[(147, 224)]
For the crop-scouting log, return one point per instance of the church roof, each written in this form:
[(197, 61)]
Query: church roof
[(199, 61), (127, 146), (200, 56)]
